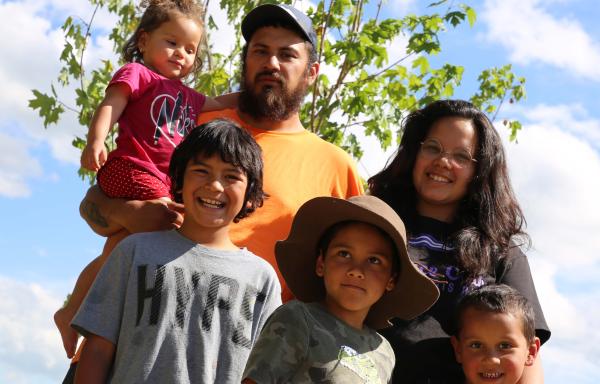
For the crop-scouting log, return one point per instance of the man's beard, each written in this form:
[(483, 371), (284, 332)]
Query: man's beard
[(275, 102)]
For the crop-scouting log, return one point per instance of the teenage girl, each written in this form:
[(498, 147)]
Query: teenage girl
[(449, 183)]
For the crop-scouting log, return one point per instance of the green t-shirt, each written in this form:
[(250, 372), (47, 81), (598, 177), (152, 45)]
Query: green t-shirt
[(304, 343)]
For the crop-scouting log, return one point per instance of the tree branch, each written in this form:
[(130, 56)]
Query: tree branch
[(374, 75), (316, 84), (378, 10), (67, 107), (87, 35), (499, 106), (344, 70), (207, 54)]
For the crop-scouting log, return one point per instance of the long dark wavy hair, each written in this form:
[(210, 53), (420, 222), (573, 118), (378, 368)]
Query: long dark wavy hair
[(160, 11), (489, 216)]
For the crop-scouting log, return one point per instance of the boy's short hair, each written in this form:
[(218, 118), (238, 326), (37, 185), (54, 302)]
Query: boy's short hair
[(330, 233), (234, 145), (498, 298)]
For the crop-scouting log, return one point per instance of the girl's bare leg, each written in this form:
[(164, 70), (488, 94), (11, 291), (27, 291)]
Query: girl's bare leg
[(63, 317)]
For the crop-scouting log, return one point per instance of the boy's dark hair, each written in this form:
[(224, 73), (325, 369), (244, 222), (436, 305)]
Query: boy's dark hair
[(234, 145), (498, 298), (330, 233), (157, 12)]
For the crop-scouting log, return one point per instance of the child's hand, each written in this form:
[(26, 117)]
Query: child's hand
[(93, 156)]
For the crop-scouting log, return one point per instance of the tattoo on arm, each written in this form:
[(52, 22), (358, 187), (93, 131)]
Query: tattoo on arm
[(92, 212)]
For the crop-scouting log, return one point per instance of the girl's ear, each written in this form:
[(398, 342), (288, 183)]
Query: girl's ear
[(534, 348), (320, 266), (142, 41)]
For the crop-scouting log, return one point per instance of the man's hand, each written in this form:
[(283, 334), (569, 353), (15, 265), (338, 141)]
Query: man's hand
[(108, 216), (149, 215)]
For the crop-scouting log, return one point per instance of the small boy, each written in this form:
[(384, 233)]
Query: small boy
[(185, 305), (347, 264), (495, 337)]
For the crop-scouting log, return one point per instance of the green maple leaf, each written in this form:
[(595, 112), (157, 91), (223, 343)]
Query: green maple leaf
[(49, 109)]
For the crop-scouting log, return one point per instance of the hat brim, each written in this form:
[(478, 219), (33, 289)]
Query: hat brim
[(296, 256)]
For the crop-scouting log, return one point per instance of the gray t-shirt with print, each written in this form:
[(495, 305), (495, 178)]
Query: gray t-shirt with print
[(177, 311), (304, 343)]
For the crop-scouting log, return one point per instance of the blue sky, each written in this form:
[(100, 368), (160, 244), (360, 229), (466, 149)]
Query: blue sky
[(555, 166)]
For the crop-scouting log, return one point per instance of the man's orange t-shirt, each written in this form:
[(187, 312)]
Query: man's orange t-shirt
[(298, 166)]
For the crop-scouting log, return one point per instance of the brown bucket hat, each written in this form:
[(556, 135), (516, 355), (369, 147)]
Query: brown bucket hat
[(296, 256)]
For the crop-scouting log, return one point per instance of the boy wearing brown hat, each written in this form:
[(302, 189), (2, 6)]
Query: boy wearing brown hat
[(346, 263)]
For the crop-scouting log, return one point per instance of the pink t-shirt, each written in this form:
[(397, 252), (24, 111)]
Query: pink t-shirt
[(159, 114)]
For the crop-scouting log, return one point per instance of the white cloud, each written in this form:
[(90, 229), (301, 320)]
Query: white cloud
[(532, 34), (402, 7), (30, 347), (571, 118), (32, 63), (573, 354), (553, 170), (17, 166)]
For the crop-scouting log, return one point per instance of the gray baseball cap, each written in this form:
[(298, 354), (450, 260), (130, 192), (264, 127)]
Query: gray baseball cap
[(278, 12)]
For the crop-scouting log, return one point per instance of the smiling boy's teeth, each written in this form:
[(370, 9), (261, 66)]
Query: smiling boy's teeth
[(212, 203), (490, 375)]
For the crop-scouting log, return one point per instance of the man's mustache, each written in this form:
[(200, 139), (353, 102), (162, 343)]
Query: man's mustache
[(270, 75)]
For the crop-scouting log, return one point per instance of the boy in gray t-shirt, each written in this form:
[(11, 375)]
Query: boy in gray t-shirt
[(346, 262), (185, 305)]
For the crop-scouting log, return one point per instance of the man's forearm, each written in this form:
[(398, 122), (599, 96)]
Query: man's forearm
[(95, 209), (107, 216)]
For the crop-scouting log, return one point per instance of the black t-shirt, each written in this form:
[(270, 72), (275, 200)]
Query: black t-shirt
[(422, 345)]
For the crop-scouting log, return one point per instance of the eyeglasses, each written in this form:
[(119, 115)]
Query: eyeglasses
[(432, 149)]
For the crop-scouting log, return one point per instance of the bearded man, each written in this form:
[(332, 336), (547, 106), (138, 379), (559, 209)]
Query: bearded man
[(279, 65)]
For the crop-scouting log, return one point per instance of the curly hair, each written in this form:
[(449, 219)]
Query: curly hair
[(157, 12), (489, 216), (235, 146)]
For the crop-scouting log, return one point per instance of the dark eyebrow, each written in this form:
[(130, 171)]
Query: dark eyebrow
[(468, 149), (239, 170), (338, 244), (259, 45), (376, 252), (230, 168), (291, 49), (281, 49)]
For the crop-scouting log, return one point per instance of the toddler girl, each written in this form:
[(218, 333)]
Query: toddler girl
[(155, 110)]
